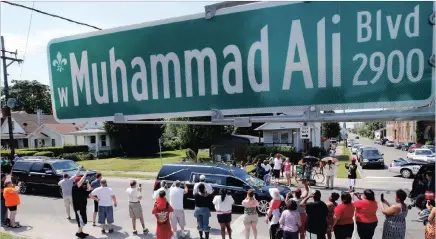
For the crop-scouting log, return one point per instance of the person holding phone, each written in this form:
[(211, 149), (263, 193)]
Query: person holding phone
[(135, 208), (177, 193), (394, 226), (80, 193), (366, 214)]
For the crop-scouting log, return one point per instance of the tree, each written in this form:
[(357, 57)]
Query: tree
[(196, 136), (135, 139), (331, 129), (30, 96), (368, 128)]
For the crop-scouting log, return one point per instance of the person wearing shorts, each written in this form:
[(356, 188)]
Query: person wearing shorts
[(135, 208), (95, 184), (250, 213), (223, 205), (177, 192), (66, 185), (277, 166), (12, 200), (105, 196)]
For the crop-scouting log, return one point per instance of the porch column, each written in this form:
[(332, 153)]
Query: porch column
[(75, 139), (108, 142), (97, 142)]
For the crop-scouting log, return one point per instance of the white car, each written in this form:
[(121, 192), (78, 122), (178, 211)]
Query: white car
[(350, 143), (355, 148), (421, 154), (406, 167)]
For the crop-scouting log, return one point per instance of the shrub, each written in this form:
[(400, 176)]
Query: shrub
[(58, 151), (85, 156), (7, 153), (261, 158), (44, 153), (172, 144), (71, 156), (317, 152), (255, 149), (75, 148)]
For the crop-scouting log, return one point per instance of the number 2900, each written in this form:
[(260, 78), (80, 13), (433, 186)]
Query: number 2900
[(378, 63)]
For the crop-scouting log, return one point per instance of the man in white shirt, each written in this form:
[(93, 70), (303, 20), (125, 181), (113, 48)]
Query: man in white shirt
[(277, 166), (329, 171), (266, 166), (163, 187), (135, 208), (207, 186), (176, 202), (104, 196)]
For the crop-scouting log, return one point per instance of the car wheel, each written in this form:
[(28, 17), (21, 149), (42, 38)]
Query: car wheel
[(60, 191), (263, 207), (23, 187), (406, 173)]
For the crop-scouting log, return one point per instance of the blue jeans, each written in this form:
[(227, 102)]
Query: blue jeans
[(290, 235), (202, 214)]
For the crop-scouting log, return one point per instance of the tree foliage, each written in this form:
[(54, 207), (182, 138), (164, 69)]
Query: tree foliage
[(367, 129), (331, 129), (196, 136), (135, 139), (30, 96)]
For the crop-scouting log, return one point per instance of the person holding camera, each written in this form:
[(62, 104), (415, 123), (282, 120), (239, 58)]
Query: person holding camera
[(394, 226), (343, 224), (135, 208), (366, 214), (177, 191)]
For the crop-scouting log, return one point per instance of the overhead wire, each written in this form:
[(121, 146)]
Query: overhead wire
[(51, 15), (27, 40)]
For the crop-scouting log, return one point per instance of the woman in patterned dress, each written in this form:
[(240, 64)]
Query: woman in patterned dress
[(430, 227), (394, 226)]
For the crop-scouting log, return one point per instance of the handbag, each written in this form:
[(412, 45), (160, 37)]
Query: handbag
[(279, 233)]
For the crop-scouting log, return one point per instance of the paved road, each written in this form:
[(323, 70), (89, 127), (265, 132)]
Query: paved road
[(43, 216), (390, 154)]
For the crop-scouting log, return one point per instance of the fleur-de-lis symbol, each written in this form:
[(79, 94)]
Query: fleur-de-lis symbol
[(59, 62)]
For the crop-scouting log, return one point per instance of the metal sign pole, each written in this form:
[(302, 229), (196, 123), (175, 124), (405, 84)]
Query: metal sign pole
[(160, 152)]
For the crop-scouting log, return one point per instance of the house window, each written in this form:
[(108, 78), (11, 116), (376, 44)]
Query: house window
[(35, 142), (92, 138), (103, 140), (53, 142), (280, 137)]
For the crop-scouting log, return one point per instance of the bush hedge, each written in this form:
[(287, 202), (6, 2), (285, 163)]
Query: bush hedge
[(44, 153), (77, 156), (57, 151), (254, 150)]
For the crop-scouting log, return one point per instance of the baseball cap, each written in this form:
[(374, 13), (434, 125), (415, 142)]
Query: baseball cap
[(202, 177), (298, 190), (77, 178), (353, 159)]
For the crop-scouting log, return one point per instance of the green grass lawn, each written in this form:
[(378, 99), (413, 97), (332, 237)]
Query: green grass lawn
[(346, 157), (151, 164), (5, 235)]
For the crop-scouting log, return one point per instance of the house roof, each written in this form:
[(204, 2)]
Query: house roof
[(89, 131), (252, 139), (28, 121), (279, 126), (63, 129)]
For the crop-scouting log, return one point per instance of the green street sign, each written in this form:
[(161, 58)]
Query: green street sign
[(256, 58)]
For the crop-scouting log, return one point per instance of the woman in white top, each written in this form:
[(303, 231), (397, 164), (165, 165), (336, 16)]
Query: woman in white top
[(223, 206)]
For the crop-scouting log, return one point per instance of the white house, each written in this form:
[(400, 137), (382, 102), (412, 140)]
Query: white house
[(51, 135), (95, 136), (288, 134)]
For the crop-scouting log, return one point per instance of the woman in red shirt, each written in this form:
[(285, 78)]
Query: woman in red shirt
[(343, 223), (366, 214), (162, 210)]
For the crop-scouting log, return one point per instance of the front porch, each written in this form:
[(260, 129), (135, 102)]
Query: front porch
[(97, 140)]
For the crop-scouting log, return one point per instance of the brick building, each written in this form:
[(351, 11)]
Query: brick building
[(405, 131)]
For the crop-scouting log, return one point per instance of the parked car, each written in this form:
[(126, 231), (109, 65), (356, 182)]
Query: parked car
[(235, 180), (333, 141), (431, 147), (406, 167), (398, 145), (377, 141), (407, 145), (421, 154), (355, 148), (372, 157), (390, 143), (357, 137), (417, 187), (350, 142), (415, 146), (43, 174), (383, 141)]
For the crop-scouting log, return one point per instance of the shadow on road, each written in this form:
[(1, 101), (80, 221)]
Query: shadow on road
[(21, 229)]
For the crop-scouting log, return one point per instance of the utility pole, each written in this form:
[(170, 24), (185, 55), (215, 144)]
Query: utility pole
[(6, 88)]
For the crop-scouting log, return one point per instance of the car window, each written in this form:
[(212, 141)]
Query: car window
[(424, 152), (371, 153), (37, 167), (22, 165), (173, 173), (212, 179), (47, 167), (234, 182)]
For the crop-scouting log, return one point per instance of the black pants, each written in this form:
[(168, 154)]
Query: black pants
[(317, 235), (343, 231), (81, 216), (273, 230), (276, 173), (366, 230), (3, 209)]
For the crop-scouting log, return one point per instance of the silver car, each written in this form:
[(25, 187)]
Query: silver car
[(355, 148), (406, 167)]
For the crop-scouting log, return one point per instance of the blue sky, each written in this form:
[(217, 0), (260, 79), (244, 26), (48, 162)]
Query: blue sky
[(15, 24)]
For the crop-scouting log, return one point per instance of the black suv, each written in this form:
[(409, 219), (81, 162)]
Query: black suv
[(40, 174), (235, 180)]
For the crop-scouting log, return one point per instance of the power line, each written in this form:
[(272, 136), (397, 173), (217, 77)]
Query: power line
[(27, 39), (51, 15)]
